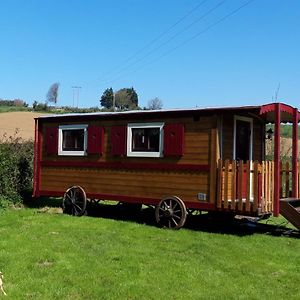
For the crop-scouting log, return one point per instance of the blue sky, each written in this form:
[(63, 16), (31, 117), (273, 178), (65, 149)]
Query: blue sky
[(100, 44)]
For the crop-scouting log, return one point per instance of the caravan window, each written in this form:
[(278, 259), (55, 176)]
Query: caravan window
[(145, 139), (72, 140)]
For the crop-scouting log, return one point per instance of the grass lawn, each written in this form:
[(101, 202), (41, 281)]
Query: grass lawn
[(12, 108), (46, 255)]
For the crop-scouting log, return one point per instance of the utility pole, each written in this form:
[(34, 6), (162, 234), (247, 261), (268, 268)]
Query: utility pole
[(77, 89), (114, 101)]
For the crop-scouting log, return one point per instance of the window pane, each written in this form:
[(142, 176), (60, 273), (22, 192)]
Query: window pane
[(73, 140), (145, 139)]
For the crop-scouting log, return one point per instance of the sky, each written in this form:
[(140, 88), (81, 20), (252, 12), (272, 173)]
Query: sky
[(188, 53)]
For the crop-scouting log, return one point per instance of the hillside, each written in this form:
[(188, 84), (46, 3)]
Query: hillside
[(22, 121)]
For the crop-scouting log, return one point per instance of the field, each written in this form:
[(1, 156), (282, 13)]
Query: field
[(22, 121), (47, 255)]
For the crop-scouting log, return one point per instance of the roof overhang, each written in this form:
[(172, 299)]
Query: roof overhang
[(286, 112)]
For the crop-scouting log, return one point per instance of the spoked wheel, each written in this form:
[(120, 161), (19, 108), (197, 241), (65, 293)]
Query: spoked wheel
[(171, 212), (74, 201)]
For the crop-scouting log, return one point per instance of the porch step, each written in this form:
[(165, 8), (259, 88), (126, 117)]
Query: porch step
[(290, 209)]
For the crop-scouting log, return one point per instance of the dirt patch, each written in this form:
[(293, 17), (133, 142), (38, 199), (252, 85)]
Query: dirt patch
[(20, 121)]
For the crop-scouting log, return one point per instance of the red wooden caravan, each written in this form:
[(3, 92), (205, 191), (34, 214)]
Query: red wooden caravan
[(210, 159)]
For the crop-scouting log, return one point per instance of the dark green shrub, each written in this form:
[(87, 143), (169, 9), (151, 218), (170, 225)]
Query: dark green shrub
[(16, 168)]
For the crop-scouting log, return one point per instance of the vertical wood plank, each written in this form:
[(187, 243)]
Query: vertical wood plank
[(295, 154), (263, 188), (240, 183), (220, 181), (213, 166), (281, 181), (255, 183), (248, 174), (272, 186), (267, 186), (226, 187), (233, 185), (287, 179)]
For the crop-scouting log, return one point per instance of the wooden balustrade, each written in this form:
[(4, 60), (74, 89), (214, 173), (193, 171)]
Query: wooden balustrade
[(249, 186), (245, 187)]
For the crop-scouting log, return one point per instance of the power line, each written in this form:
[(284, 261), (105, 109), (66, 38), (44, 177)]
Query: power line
[(157, 38), (203, 16), (193, 37)]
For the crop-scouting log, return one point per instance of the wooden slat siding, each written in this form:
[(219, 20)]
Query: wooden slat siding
[(213, 166), (240, 185), (266, 186), (155, 177), (233, 185), (255, 186), (220, 183), (248, 174), (197, 139), (287, 179), (226, 187), (118, 175), (142, 183)]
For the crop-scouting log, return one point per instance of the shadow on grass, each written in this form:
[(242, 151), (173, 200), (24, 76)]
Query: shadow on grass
[(42, 202), (205, 222)]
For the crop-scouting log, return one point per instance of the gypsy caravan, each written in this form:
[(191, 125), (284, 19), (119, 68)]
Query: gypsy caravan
[(209, 159)]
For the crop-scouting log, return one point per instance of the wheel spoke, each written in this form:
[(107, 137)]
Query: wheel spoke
[(69, 197), (174, 222), (169, 223), (175, 216), (77, 206)]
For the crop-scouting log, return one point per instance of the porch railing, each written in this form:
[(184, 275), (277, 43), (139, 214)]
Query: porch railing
[(286, 180), (245, 187), (249, 187)]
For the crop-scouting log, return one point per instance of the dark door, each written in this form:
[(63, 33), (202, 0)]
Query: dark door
[(242, 140)]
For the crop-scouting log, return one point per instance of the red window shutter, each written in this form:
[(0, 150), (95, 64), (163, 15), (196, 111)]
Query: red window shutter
[(51, 140), (173, 140), (95, 143), (118, 140)]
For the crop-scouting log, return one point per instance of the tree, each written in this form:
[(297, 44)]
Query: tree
[(126, 99), (107, 98), (155, 103), (52, 94)]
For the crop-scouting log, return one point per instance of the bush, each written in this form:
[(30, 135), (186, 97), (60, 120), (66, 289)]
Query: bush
[(16, 168), (36, 106)]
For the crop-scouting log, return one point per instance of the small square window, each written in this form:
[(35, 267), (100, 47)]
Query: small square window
[(145, 139), (72, 140)]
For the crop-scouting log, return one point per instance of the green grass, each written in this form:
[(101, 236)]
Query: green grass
[(13, 108), (55, 256)]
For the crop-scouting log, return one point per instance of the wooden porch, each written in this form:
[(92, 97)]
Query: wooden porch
[(248, 188)]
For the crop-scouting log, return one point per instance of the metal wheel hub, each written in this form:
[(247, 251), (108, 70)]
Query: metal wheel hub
[(169, 213)]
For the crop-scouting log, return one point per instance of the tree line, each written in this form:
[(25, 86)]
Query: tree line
[(121, 100), (125, 99)]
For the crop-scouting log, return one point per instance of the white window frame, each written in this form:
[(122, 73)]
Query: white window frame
[(249, 120), (131, 126), (60, 139)]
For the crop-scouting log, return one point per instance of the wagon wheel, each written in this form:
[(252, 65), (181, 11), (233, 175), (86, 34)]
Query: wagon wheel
[(74, 201), (171, 212)]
